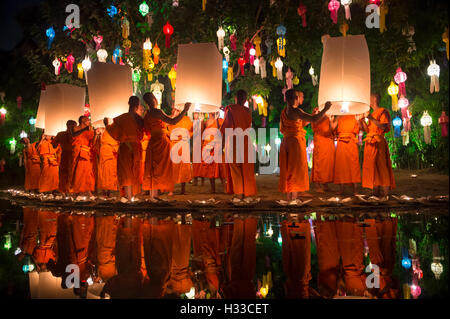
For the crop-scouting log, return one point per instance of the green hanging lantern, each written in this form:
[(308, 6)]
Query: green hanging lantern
[(144, 9)]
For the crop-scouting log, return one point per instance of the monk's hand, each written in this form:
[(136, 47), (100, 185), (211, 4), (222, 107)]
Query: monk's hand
[(327, 106), (187, 106)]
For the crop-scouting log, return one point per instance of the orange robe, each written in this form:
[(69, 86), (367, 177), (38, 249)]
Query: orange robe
[(49, 178), (323, 153), (127, 129), (47, 224), (107, 163), (346, 167), (32, 167), (293, 161), (180, 276), (197, 167), (83, 179), (144, 142), (28, 238), (82, 228), (66, 248), (296, 252), (377, 167), (240, 176), (158, 165), (64, 140), (213, 169), (242, 260), (182, 172)]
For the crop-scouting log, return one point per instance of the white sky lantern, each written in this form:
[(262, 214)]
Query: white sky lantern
[(109, 89), (220, 36), (279, 67), (62, 102), (102, 54), (199, 76), (40, 117), (345, 75)]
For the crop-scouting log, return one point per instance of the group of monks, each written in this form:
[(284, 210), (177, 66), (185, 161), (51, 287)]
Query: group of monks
[(132, 153), (150, 257)]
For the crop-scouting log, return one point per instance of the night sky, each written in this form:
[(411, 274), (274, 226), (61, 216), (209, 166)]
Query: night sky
[(10, 30)]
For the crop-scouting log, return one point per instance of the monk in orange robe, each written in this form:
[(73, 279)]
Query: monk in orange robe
[(322, 171), (64, 140), (294, 177), (296, 251), (213, 169), (158, 162), (82, 228), (377, 167), (144, 142), (182, 172), (28, 236), (346, 165), (127, 129), (82, 178), (240, 176), (105, 239), (49, 178), (196, 167), (46, 251), (32, 165), (107, 163)]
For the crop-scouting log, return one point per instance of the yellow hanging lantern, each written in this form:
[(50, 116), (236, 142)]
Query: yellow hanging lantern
[(147, 53), (172, 76), (445, 39), (383, 11), (230, 75), (296, 80), (281, 45), (274, 69), (80, 70), (125, 28), (257, 42), (393, 91), (203, 5)]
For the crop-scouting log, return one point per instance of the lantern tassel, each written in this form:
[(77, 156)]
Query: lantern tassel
[(427, 134), (262, 68), (434, 84), (167, 41), (348, 14), (394, 103)]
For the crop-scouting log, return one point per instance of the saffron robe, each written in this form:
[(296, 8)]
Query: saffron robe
[(32, 167), (64, 140), (47, 224), (107, 163), (324, 151), (182, 172), (49, 178), (83, 179), (180, 277), (28, 237), (144, 142), (213, 169)]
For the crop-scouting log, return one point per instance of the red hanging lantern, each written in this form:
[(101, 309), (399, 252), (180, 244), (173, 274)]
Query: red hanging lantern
[(247, 47), (301, 10), (19, 102), (168, 31), (377, 2), (443, 122), (233, 40), (241, 62)]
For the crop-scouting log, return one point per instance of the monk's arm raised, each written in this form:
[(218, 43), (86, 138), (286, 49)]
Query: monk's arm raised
[(383, 126)]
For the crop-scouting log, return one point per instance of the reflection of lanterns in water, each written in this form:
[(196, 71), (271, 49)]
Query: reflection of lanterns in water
[(280, 240), (437, 268), (415, 291), (270, 232), (264, 291)]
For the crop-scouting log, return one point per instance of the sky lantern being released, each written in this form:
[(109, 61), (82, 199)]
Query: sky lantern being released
[(433, 71), (199, 76), (109, 88), (333, 6), (443, 122), (345, 75), (220, 36), (346, 4), (50, 33), (400, 78), (301, 10), (426, 122), (397, 123), (168, 31), (393, 91), (61, 102), (281, 41)]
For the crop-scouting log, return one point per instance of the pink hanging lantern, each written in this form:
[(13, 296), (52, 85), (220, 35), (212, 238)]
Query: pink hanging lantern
[(98, 40), (333, 6), (289, 76), (415, 290), (400, 78), (406, 117), (69, 63), (233, 40), (443, 122), (301, 10), (19, 102)]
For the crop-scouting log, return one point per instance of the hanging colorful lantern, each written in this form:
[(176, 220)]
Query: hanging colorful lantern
[(400, 78), (333, 6), (274, 70), (346, 4), (19, 102), (301, 10), (415, 290), (69, 63), (426, 122), (443, 122), (268, 44), (12, 143), (252, 55), (112, 11), (156, 51), (168, 31), (86, 64), (233, 40), (50, 32), (313, 76), (257, 43), (405, 137), (397, 123), (406, 116), (224, 68), (247, 47), (281, 41), (172, 76), (230, 76), (445, 40), (98, 40), (127, 46), (116, 55), (289, 76), (433, 71), (296, 80), (102, 54), (393, 91), (125, 27), (135, 77), (23, 134), (203, 5), (157, 89), (241, 62), (262, 67), (279, 67), (144, 8), (383, 9), (343, 28), (80, 70), (2, 114), (147, 52), (220, 38), (32, 122), (403, 102), (406, 261), (226, 52), (57, 65), (256, 65)]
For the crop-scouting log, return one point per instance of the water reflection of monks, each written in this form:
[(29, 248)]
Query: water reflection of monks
[(45, 251), (105, 245)]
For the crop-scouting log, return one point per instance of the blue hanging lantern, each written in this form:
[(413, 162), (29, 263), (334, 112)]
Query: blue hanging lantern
[(116, 54), (50, 32), (397, 123), (112, 11), (32, 122), (406, 261), (228, 85), (224, 68)]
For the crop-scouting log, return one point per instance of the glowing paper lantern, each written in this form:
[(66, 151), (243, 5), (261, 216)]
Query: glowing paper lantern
[(268, 44), (61, 102), (281, 41), (220, 36), (156, 51), (86, 64), (110, 87), (313, 76), (333, 6), (127, 46), (230, 76), (226, 52), (69, 63), (403, 102), (12, 143), (397, 123), (32, 122), (203, 5), (80, 70), (147, 52), (433, 71), (257, 43), (445, 40), (102, 54), (157, 89), (393, 91), (241, 62), (144, 9), (346, 4), (98, 40), (279, 67), (296, 80), (224, 68), (443, 122), (437, 269), (256, 65), (426, 122), (199, 76), (125, 27), (406, 261), (57, 65), (301, 10), (116, 55), (252, 55), (400, 78), (168, 31), (262, 67), (50, 33), (172, 76), (23, 134), (415, 291), (112, 11), (136, 77), (345, 75)]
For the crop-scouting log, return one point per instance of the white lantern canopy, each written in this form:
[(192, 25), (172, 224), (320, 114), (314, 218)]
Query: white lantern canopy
[(61, 102), (40, 116), (426, 119), (109, 89), (102, 54), (433, 71), (279, 67), (345, 75), (199, 76)]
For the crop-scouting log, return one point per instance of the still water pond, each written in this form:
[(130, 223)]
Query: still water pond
[(382, 253)]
